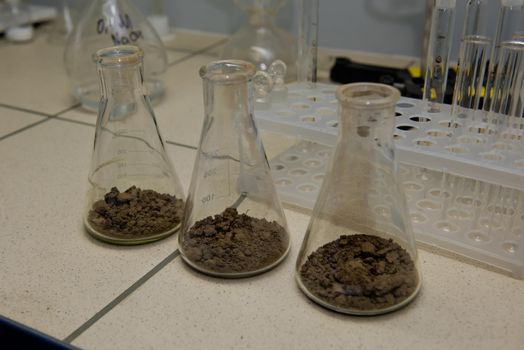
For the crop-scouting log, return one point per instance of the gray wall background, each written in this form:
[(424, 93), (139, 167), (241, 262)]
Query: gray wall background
[(381, 26)]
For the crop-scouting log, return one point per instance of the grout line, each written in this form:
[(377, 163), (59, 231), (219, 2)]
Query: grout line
[(26, 110), (76, 105), (76, 333), (198, 52), (75, 121), (48, 118), (93, 125), (25, 128), (181, 145)]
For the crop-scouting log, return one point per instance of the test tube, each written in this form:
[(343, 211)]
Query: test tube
[(439, 48), (507, 98), (474, 48), (510, 26), (307, 43)]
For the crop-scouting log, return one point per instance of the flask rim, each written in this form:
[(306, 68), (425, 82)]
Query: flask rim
[(228, 71), (367, 95), (119, 55)]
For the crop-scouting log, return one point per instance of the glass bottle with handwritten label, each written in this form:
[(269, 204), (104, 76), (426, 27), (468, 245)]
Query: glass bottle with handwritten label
[(106, 23), (234, 225)]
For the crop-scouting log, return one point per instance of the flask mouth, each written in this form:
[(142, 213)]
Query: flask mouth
[(367, 95), (119, 55), (228, 71)]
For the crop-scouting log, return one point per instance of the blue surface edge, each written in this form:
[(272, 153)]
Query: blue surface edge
[(14, 335)]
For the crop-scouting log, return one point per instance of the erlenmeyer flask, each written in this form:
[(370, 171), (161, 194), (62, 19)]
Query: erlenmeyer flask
[(359, 255), (260, 41), (105, 23), (134, 195), (233, 225)]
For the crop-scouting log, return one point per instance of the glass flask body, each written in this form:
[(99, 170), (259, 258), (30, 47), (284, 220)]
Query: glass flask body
[(260, 41), (359, 255), (234, 224), (134, 195), (106, 23)]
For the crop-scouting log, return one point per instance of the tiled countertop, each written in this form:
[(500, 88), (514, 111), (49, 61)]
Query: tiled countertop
[(57, 279)]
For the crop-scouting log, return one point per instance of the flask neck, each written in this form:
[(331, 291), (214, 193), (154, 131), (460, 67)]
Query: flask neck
[(367, 117), (228, 96), (121, 83), (367, 127)]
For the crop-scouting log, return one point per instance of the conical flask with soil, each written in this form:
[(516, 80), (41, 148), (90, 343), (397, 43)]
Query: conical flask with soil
[(234, 225), (134, 195), (359, 255)]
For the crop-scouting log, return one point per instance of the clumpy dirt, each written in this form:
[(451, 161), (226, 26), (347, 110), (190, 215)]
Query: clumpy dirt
[(135, 213), (360, 272), (234, 243)]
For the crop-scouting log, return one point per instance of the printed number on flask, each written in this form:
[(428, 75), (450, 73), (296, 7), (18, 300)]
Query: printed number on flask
[(207, 198)]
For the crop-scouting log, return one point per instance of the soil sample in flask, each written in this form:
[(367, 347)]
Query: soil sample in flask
[(233, 225), (134, 195), (359, 255)]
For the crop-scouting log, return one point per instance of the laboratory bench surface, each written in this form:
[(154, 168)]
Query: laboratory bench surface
[(58, 280)]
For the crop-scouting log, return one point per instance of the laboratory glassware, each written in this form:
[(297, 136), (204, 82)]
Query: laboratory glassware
[(277, 71), (64, 23), (439, 48), (307, 42), (474, 50), (16, 16), (260, 41), (510, 27), (106, 23), (359, 255), (234, 225), (134, 195), (507, 106)]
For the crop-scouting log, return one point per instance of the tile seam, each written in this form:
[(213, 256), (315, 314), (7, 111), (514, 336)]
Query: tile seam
[(106, 309), (26, 110), (181, 145), (198, 52), (67, 120), (18, 131), (47, 117)]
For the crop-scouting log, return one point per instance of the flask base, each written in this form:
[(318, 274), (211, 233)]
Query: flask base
[(357, 312), (128, 241), (360, 274), (234, 275)]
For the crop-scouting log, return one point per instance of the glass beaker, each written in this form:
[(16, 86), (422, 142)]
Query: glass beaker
[(359, 255), (134, 195), (260, 41), (233, 225), (106, 23)]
